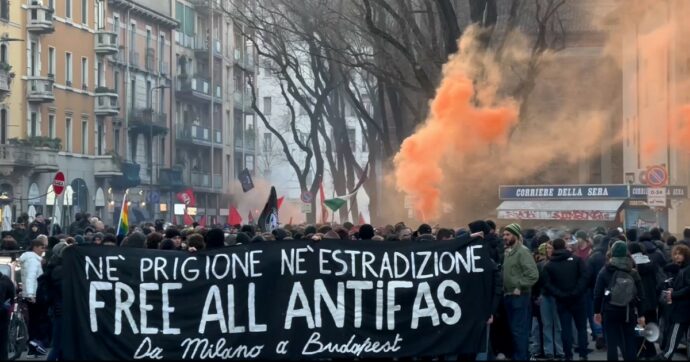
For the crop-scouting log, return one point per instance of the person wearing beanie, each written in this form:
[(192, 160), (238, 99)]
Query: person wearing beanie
[(491, 240), (519, 275), (620, 320), (565, 277), (215, 239)]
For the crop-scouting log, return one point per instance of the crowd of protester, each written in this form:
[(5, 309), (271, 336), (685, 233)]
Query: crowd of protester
[(555, 289)]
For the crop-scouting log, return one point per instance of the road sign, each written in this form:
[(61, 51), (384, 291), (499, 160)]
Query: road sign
[(306, 197), (306, 208), (59, 183), (657, 176), (656, 197)]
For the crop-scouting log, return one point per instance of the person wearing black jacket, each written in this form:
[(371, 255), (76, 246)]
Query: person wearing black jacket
[(566, 277), (7, 295), (55, 275), (678, 299), (650, 274), (619, 326), (595, 262)]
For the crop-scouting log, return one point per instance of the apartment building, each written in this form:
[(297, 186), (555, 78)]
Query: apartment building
[(136, 46)]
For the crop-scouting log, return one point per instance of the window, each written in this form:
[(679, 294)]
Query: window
[(33, 126), (267, 142), (84, 12), (68, 9), (68, 69), (84, 136), (116, 25), (116, 81), (351, 135), (84, 73), (100, 10), (68, 134), (33, 66), (149, 101), (51, 61), (99, 137), (148, 38), (132, 36), (267, 106), (133, 94), (161, 54), (3, 126), (99, 74), (5, 11), (51, 126), (3, 53), (116, 140)]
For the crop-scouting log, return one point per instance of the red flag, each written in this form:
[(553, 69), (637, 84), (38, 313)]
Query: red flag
[(324, 211), (234, 217), (187, 197), (188, 220), (361, 219), (202, 221), (250, 219), (280, 201)]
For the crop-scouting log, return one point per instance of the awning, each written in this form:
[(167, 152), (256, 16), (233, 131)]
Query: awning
[(566, 210)]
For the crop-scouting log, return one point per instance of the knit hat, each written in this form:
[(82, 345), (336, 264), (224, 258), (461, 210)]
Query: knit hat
[(479, 225), (619, 249), (542, 249), (514, 229), (581, 235)]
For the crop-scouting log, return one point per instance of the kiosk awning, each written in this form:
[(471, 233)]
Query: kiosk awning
[(566, 210)]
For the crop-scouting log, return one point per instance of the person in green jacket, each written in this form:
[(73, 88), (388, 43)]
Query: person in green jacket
[(519, 275)]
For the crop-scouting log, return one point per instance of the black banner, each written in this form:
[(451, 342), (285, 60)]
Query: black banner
[(277, 300)]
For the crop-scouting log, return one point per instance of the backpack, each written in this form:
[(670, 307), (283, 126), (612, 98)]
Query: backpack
[(622, 288)]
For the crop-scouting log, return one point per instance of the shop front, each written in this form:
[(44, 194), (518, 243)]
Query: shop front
[(608, 205)]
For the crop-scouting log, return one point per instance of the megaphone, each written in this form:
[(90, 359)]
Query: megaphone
[(649, 332)]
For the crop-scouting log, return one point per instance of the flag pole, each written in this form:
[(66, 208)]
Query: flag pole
[(122, 208)]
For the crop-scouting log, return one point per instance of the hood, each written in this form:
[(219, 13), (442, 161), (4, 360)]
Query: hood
[(28, 255), (620, 263), (640, 258), (560, 255), (649, 246)]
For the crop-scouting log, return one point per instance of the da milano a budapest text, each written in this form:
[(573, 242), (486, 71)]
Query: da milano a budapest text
[(361, 282)]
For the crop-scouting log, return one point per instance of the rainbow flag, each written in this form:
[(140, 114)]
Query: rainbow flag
[(123, 225)]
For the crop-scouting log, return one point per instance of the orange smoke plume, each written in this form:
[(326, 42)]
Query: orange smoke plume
[(455, 127)]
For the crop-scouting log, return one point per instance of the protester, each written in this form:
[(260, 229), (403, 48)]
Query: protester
[(55, 275), (617, 299), (519, 275), (7, 295), (31, 269), (678, 298), (565, 278), (650, 275)]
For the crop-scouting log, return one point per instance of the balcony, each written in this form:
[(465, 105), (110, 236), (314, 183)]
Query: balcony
[(199, 135), (40, 19), (40, 89), (106, 102), (203, 179), (170, 179), (12, 156), (207, 6), (248, 144), (5, 80), (106, 42), (106, 166), (44, 159), (201, 48), (129, 176), (242, 102), (147, 120), (195, 88), (150, 60), (28, 154)]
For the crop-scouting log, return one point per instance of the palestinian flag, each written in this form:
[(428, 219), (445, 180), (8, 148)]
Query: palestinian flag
[(339, 201)]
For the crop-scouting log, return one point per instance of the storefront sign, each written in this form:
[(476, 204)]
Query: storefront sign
[(564, 192), (656, 197), (672, 192), (564, 215)]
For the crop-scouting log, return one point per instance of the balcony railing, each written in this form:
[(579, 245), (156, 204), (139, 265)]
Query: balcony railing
[(40, 89), (40, 19), (106, 103), (195, 87), (163, 68), (106, 42), (40, 159), (107, 166), (147, 120), (198, 134), (203, 179)]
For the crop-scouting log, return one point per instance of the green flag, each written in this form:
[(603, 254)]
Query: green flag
[(334, 204)]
